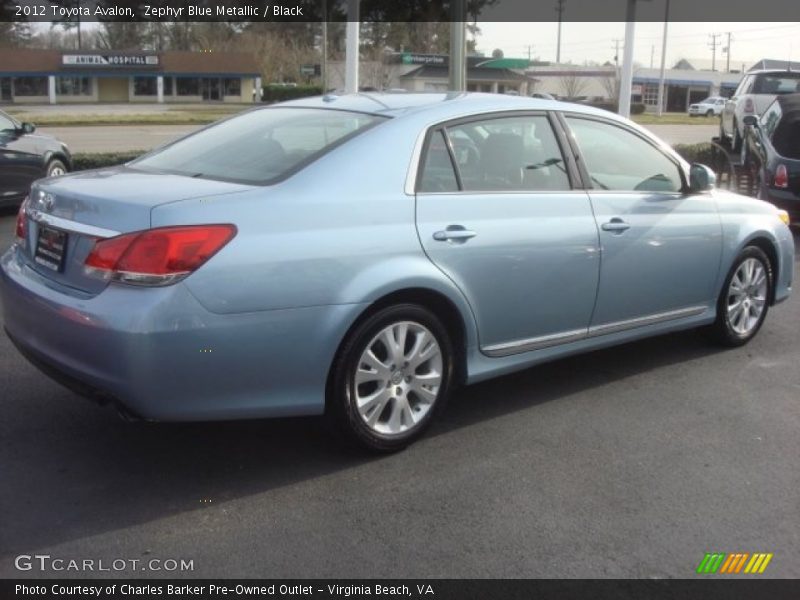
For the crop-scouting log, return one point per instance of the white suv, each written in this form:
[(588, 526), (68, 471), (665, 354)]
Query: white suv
[(755, 93), (710, 107)]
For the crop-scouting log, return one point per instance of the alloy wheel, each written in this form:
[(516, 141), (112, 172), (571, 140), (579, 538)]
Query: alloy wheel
[(747, 296), (398, 378)]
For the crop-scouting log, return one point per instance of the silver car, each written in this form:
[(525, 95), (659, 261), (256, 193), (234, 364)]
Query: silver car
[(362, 255)]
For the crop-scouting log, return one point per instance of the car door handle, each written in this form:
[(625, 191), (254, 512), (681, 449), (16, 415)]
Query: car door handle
[(454, 233), (615, 225)]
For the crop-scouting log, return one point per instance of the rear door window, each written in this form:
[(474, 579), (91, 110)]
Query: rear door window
[(438, 174), (509, 154)]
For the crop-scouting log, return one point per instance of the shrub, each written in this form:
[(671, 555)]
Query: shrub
[(704, 153), (98, 160), (637, 108), (281, 93)]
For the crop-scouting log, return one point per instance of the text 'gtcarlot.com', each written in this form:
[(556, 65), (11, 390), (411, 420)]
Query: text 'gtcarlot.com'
[(45, 562)]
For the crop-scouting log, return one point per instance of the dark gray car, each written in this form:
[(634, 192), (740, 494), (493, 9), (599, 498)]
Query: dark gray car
[(26, 156)]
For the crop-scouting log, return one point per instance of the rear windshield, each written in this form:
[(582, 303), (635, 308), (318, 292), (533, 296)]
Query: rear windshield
[(777, 83), (259, 147)]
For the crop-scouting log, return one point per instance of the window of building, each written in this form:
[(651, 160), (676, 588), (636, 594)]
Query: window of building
[(513, 153), (74, 86), (618, 159), (650, 94), (187, 86), (145, 86), (30, 86), (233, 86), (169, 86)]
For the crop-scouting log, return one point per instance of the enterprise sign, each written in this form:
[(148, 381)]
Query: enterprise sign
[(109, 60)]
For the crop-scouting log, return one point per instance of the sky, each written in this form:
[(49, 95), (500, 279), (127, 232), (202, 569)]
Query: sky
[(581, 42)]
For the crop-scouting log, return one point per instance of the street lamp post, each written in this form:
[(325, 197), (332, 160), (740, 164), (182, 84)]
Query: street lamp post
[(626, 81), (351, 49), (458, 47)]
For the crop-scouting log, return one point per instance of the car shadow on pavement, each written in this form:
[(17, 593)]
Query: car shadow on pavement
[(71, 470)]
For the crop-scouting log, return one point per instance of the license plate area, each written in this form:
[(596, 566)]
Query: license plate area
[(51, 248)]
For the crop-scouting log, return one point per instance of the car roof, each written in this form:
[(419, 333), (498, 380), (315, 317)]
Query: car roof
[(452, 104), (770, 71)]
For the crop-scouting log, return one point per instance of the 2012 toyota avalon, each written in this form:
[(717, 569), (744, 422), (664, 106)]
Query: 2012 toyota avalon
[(361, 255)]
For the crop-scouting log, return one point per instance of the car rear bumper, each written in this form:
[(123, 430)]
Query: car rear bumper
[(161, 355), (785, 200)]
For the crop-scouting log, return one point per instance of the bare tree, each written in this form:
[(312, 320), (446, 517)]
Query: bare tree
[(611, 85), (573, 84)]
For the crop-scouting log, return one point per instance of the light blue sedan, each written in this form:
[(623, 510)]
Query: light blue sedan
[(361, 255)]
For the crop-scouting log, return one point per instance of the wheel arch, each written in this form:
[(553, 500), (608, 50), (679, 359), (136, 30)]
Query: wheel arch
[(447, 309), (769, 246), (55, 155)]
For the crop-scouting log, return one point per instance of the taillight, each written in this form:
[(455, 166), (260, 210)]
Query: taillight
[(749, 107), (22, 223), (157, 256), (781, 177)]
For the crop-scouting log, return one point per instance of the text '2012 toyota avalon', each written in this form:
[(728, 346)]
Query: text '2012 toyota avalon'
[(361, 255)]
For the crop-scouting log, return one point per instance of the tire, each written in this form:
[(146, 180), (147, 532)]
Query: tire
[(55, 168), (723, 139), (710, 112), (391, 406), (736, 144), (737, 327)]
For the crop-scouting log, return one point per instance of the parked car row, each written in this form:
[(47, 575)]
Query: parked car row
[(26, 156), (361, 255), (771, 152), (755, 93)]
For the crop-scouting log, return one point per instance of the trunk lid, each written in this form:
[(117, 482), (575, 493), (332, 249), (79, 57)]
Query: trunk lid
[(67, 214)]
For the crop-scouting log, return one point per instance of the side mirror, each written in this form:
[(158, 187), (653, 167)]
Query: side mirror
[(28, 128), (701, 178), (750, 121)]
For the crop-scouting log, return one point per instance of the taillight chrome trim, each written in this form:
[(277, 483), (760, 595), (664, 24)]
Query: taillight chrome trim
[(71, 226), (143, 279)]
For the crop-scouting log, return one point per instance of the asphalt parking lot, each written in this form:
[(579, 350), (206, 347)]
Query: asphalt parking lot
[(627, 462)]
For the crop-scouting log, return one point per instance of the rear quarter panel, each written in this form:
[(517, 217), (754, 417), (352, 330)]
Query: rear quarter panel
[(341, 231)]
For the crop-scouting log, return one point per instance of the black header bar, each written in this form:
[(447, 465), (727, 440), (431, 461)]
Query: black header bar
[(374, 11)]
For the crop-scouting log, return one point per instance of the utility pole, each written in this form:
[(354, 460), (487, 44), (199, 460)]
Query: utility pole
[(727, 51), (663, 62), (617, 42), (458, 46), (713, 45), (323, 65), (626, 80), (351, 48), (560, 11), (530, 47), (652, 54)]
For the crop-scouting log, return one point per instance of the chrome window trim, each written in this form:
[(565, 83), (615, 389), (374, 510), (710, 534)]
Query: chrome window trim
[(70, 226), (556, 339)]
